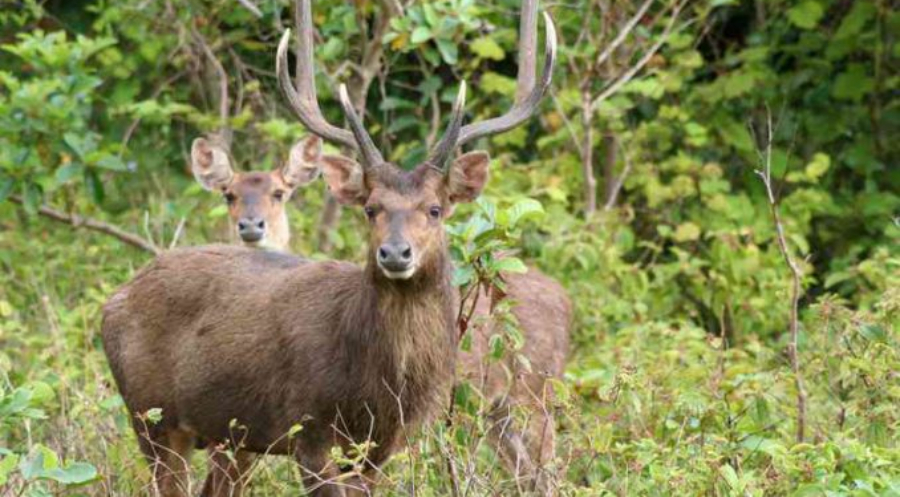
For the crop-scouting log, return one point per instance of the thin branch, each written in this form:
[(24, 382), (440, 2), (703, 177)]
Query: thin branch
[(251, 7), (630, 73), (224, 106), (624, 32), (93, 225), (796, 285), (617, 187)]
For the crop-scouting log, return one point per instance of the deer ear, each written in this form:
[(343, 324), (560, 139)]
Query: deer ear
[(304, 162), (345, 180), (467, 176), (211, 165)]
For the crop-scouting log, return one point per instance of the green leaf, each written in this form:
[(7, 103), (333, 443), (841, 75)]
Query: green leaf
[(41, 393), (111, 163), (295, 429), (527, 208), (687, 232), (420, 35), (154, 415), (6, 187), (68, 172), (449, 50), (7, 466), (492, 82), (77, 473), (496, 346), (94, 185), (806, 14), (818, 166), (463, 276), (82, 145), (510, 265), (486, 48), (853, 84)]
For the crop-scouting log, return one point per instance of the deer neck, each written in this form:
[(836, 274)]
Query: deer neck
[(412, 347)]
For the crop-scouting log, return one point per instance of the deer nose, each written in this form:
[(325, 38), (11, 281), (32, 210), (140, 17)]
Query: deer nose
[(251, 229), (395, 256)]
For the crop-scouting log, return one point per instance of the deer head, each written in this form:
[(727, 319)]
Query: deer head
[(406, 209), (256, 200)]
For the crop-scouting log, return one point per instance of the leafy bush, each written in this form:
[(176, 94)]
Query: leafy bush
[(679, 380)]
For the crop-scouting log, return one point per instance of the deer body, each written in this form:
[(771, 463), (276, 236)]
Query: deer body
[(283, 355)]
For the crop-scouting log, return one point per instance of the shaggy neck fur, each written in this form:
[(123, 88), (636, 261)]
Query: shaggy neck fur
[(405, 361)]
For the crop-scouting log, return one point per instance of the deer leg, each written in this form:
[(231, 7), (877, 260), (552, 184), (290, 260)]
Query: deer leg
[(168, 452), (320, 475), (540, 439), (506, 436), (228, 476)]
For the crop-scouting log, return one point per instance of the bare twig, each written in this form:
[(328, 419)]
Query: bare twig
[(224, 105), (624, 32), (93, 225), (617, 186), (633, 70), (251, 7), (796, 276), (587, 155)]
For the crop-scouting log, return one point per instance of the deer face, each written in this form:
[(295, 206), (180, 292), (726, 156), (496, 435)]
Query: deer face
[(406, 209), (256, 200)]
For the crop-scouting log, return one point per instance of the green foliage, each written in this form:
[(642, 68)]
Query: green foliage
[(26, 469), (678, 380), (48, 133)]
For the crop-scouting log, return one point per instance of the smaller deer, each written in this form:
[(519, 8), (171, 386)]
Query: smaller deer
[(256, 200)]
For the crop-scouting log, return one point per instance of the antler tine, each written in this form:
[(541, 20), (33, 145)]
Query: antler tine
[(367, 149), (303, 100), (444, 149), (528, 95)]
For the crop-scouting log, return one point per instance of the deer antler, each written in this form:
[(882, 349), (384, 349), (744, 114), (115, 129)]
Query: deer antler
[(444, 149), (370, 154), (303, 99), (528, 95)]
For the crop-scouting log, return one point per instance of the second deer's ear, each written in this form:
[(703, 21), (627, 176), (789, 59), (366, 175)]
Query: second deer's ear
[(211, 165), (345, 180), (467, 176), (304, 162)]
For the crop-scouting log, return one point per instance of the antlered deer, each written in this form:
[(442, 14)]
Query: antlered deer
[(352, 353), (540, 304)]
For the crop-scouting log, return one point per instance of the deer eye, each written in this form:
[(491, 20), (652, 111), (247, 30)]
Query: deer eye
[(229, 198), (278, 195), (370, 212), (434, 212)]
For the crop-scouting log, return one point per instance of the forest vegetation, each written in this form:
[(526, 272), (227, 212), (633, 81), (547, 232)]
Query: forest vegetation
[(716, 184)]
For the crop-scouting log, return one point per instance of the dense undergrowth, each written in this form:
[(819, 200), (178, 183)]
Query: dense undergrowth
[(679, 380)]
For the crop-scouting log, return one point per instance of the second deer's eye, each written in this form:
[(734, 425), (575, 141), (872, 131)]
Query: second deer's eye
[(370, 212), (278, 195), (434, 212), (229, 198)]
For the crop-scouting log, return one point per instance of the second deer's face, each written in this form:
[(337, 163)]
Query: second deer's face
[(256, 200), (256, 206)]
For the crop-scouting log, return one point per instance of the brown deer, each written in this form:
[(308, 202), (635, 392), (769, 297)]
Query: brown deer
[(540, 303), (352, 354), (256, 200)]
